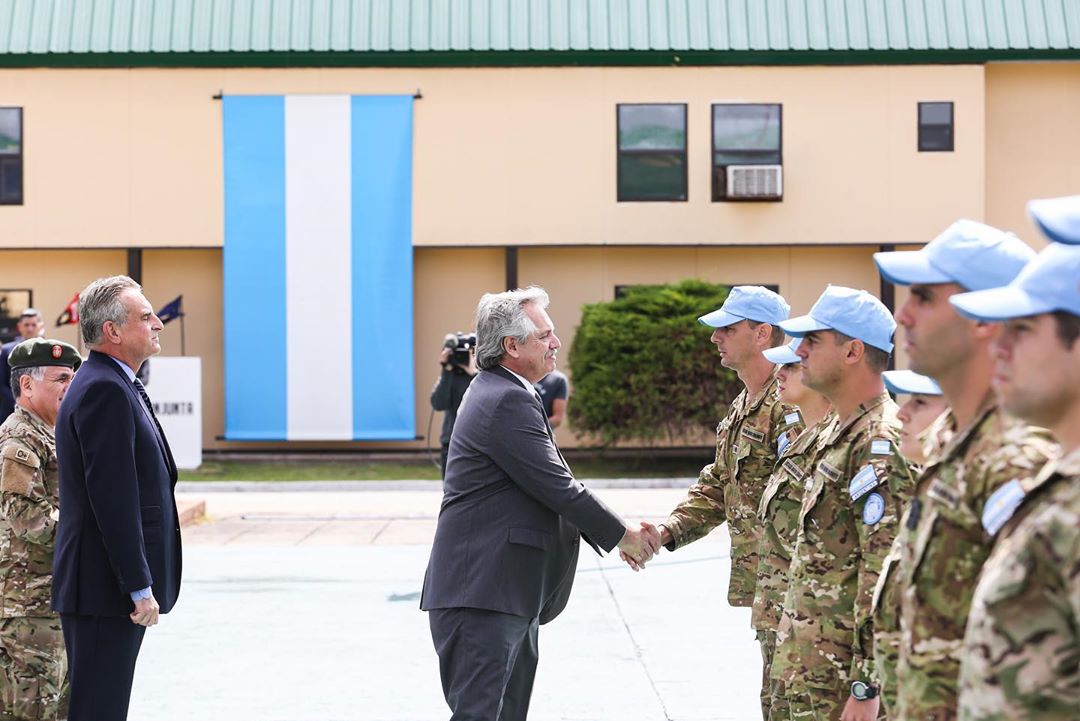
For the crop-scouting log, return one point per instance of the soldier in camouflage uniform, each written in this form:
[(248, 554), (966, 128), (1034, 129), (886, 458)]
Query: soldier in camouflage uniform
[(849, 513), (32, 660), (943, 546), (729, 489), (924, 404), (779, 513), (1021, 650)]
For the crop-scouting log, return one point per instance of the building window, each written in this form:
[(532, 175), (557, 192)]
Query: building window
[(11, 160), (935, 127), (652, 152), (745, 139)]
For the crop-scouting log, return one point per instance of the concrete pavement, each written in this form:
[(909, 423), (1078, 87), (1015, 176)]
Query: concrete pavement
[(304, 607)]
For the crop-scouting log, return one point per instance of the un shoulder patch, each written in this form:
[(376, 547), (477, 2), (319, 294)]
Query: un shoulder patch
[(874, 510), (792, 418)]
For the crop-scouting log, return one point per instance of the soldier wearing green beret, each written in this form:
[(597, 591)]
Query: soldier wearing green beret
[(32, 661)]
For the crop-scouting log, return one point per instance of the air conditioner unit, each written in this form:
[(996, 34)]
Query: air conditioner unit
[(755, 182)]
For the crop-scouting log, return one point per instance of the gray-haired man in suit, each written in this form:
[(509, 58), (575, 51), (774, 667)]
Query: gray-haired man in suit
[(506, 545)]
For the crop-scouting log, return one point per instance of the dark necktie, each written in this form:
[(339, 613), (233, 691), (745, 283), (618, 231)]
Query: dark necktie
[(149, 406)]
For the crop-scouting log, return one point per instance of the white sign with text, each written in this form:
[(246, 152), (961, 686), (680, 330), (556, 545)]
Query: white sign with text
[(175, 388)]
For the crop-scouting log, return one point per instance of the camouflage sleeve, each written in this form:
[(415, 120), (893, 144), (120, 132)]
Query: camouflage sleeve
[(30, 519), (876, 516), (703, 509), (785, 420), (1072, 572), (22, 496), (1020, 452)]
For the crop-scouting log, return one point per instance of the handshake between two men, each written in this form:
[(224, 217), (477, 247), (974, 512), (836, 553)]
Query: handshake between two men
[(639, 545)]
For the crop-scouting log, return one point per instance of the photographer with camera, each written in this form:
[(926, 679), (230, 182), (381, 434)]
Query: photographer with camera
[(554, 391), (458, 363)]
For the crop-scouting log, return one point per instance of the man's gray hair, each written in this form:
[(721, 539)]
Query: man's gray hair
[(502, 315), (101, 302), (35, 372)]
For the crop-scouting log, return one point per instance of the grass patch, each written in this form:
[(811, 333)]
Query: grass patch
[(305, 470)]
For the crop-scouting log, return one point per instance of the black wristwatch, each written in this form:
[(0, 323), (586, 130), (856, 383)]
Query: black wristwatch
[(861, 691)]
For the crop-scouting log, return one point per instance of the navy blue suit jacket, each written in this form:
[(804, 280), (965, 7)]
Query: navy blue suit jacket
[(7, 398), (118, 531)]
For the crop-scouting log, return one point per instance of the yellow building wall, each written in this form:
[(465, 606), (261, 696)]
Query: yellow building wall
[(54, 277), (119, 157), (132, 158), (1032, 140)]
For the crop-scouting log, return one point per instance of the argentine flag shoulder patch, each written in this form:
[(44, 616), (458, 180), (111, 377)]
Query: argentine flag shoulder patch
[(863, 482), (880, 447), (1001, 506)]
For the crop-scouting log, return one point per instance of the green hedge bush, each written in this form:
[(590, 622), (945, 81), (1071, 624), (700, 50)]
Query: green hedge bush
[(644, 369)]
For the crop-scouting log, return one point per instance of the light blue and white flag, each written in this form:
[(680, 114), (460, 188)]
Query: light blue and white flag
[(318, 268)]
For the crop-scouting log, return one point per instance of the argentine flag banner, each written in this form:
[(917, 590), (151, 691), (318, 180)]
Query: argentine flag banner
[(318, 268)]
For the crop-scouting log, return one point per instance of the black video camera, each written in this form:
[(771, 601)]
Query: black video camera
[(461, 344)]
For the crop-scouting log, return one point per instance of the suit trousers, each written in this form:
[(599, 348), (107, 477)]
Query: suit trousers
[(487, 662), (101, 660)]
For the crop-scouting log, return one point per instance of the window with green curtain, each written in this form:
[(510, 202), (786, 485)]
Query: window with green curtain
[(11, 156), (652, 152)]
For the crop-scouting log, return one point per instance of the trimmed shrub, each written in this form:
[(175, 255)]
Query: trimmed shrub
[(644, 369)]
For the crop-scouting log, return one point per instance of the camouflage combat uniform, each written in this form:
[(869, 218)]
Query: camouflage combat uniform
[(885, 606), (33, 664), (779, 514), (944, 547), (1021, 652), (729, 489), (847, 522)]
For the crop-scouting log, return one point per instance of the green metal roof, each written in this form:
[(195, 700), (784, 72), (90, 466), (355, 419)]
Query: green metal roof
[(531, 32)]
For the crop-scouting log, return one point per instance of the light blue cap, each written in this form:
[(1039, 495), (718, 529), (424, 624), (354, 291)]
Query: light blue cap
[(971, 254), (1059, 218), (784, 354), (1050, 282), (748, 302), (910, 382), (852, 312)]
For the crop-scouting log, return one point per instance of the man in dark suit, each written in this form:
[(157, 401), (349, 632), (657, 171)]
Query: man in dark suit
[(30, 325), (117, 560), (506, 544)]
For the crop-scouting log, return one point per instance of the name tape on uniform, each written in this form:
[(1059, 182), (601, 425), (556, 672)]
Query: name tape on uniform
[(754, 435), (830, 472), (793, 470), (943, 493)]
